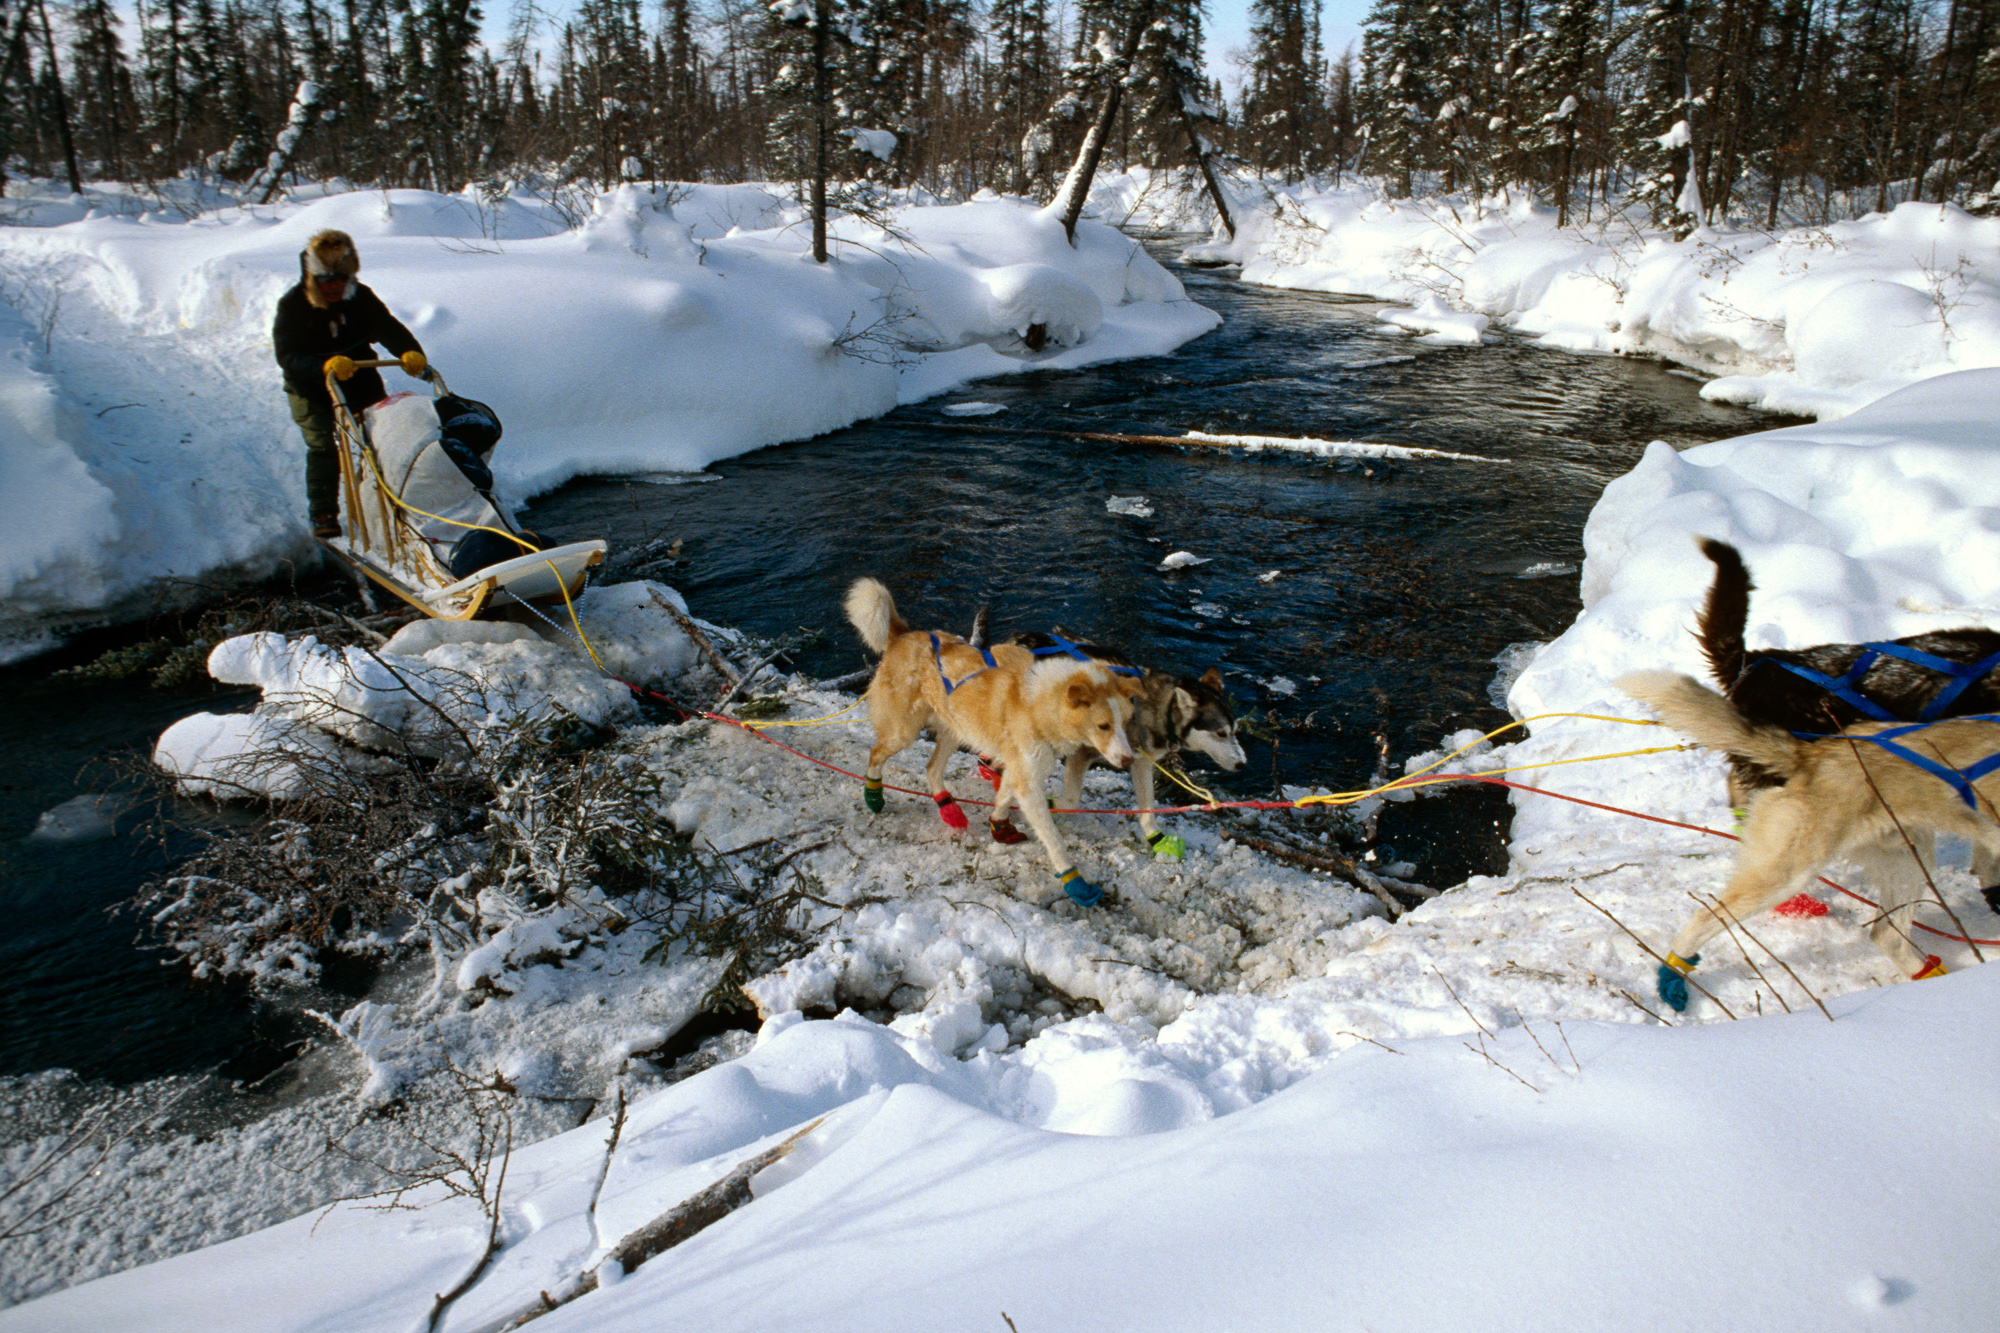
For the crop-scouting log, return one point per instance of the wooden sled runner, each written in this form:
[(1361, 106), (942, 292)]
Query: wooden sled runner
[(416, 499)]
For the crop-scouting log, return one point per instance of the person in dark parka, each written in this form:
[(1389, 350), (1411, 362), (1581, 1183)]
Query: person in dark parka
[(324, 325)]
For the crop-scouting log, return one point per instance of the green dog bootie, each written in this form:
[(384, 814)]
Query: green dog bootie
[(871, 794), (1166, 846)]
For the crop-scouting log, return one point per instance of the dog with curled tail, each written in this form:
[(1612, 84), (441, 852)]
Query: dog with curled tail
[(1028, 712)]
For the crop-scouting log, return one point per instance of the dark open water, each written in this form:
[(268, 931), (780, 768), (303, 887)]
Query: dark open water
[(1399, 583)]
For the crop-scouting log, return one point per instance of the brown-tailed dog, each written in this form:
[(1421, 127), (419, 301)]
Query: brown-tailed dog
[(1002, 701), (1836, 797), (1946, 673)]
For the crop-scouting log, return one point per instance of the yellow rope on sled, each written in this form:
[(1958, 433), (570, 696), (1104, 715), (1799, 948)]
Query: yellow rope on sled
[(562, 585)]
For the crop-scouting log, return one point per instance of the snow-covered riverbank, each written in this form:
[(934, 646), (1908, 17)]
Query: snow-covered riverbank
[(1236, 1097), (1811, 321), (659, 329), (1227, 1023)]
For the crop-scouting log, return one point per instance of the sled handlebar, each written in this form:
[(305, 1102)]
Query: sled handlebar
[(430, 376)]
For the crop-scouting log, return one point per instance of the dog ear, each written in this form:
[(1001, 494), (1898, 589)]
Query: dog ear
[(1080, 692), (1183, 706), (1212, 678)]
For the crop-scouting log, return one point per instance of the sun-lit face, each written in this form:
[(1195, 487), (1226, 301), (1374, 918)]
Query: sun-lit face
[(1101, 708)]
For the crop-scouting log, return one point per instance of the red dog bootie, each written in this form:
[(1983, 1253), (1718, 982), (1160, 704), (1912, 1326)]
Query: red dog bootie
[(1003, 831), (948, 810)]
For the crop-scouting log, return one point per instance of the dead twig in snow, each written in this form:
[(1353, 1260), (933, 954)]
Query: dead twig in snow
[(1370, 1040), (696, 637), (1633, 1000), (1656, 958), (1342, 867), (1485, 1032), (1796, 979), (1714, 906), (743, 682)]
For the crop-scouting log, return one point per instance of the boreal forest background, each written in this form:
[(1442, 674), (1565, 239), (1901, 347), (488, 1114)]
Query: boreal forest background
[(1766, 110)]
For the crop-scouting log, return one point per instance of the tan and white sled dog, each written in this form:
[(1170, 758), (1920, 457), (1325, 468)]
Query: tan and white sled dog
[(1837, 796), (1001, 701)]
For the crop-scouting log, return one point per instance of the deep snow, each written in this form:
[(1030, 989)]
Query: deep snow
[(1811, 321), (1239, 1097), (148, 438)]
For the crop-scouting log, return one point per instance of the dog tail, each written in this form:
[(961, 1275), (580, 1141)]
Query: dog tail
[(872, 612), (1708, 719), (1724, 612)]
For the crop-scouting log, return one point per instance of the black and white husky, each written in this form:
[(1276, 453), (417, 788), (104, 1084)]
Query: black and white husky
[(1171, 713)]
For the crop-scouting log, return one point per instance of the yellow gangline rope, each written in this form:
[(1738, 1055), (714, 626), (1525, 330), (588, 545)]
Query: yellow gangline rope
[(826, 721)]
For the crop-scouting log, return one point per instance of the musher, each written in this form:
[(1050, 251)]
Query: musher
[(324, 325)]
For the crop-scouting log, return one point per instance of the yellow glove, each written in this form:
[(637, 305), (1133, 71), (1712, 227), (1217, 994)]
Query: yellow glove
[(340, 367), (414, 364)]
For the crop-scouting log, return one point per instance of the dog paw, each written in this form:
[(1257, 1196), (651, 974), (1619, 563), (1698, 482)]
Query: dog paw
[(1167, 847), (948, 810), (871, 794), (1080, 890), (1003, 831), (1673, 984)]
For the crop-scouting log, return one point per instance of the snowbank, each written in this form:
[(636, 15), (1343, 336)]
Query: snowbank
[(1815, 321), (148, 437), (1533, 1168), (430, 685), (1881, 525)]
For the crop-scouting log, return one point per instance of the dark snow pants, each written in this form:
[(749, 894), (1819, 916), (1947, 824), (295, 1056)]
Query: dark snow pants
[(322, 463)]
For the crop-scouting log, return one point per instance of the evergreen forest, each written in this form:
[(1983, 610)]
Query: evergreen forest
[(1767, 111)]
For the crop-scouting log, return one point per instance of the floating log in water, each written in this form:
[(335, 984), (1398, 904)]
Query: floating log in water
[(1203, 440)]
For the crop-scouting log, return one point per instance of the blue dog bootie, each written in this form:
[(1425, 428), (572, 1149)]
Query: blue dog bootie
[(1080, 890), (1673, 981)]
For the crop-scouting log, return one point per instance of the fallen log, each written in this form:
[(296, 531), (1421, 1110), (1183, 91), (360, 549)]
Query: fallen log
[(1196, 439)]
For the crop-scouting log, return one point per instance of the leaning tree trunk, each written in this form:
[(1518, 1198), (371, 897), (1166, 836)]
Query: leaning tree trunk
[(1203, 154), (1076, 187)]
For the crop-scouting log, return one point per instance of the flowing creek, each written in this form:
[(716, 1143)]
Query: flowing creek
[(1400, 585)]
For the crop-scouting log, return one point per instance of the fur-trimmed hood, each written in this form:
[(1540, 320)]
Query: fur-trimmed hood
[(328, 252)]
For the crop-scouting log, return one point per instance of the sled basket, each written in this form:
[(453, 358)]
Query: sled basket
[(416, 499)]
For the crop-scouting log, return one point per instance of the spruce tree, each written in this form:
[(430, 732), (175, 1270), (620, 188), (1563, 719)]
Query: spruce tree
[(1557, 78), (106, 112)]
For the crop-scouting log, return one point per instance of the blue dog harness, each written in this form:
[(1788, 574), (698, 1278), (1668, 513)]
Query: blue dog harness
[(1846, 687), (1063, 646), (1959, 780), (937, 656)]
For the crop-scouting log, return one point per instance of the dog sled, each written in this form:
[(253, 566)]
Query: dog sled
[(418, 514)]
